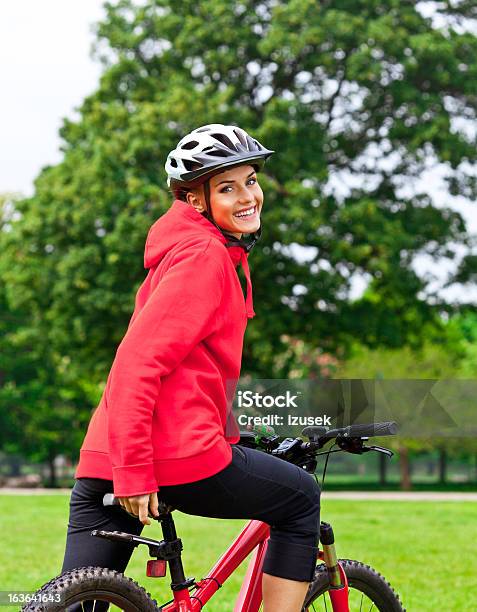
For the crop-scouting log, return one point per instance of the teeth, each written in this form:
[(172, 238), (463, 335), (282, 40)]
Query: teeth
[(248, 213)]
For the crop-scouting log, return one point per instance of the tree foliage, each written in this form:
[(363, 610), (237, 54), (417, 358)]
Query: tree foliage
[(364, 91), (42, 398)]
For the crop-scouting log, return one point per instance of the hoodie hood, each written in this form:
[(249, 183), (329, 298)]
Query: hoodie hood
[(182, 223)]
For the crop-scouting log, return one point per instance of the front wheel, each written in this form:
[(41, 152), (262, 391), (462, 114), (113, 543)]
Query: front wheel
[(91, 588), (368, 590)]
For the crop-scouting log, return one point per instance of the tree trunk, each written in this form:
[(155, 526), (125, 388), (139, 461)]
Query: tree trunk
[(382, 469), (52, 482), (430, 467), (442, 466), (405, 468), (14, 465)]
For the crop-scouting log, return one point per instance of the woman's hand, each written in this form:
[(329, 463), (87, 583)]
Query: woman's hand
[(139, 505)]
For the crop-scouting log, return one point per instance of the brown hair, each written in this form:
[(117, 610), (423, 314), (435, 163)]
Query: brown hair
[(180, 189)]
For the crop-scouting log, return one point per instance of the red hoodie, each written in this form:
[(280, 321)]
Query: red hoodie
[(162, 417)]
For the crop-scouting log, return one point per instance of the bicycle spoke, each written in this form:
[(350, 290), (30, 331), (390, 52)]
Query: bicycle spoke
[(372, 606), (361, 604)]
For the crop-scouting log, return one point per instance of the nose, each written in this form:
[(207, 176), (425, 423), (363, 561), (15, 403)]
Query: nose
[(246, 196)]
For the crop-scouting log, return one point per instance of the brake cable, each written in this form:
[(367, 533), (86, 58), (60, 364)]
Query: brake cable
[(327, 453)]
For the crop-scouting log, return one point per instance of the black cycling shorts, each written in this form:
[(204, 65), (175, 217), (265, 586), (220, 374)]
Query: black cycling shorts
[(254, 485)]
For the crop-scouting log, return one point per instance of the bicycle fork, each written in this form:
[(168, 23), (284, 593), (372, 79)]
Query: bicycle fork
[(338, 583)]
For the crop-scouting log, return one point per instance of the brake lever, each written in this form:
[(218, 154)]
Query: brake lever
[(379, 449)]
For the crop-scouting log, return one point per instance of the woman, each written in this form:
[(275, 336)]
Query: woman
[(163, 426)]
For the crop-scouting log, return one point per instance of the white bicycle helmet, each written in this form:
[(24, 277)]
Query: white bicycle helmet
[(210, 147)]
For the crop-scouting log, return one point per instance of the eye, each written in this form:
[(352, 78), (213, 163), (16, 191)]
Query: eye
[(252, 178)]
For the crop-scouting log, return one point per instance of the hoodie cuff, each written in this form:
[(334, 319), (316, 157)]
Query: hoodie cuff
[(132, 480)]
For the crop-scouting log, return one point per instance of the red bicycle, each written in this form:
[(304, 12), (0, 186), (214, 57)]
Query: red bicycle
[(339, 585)]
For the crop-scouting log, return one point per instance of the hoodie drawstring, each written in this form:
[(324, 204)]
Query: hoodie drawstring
[(249, 298)]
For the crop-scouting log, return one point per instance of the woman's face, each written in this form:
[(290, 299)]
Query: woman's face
[(236, 200)]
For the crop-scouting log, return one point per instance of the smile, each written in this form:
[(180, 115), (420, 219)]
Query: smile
[(249, 212)]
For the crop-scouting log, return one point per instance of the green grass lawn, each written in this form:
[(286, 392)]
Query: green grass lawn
[(425, 549)]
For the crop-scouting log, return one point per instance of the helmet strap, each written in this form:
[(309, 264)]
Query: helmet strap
[(246, 245), (208, 207)]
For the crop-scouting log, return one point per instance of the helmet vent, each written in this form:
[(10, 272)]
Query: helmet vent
[(190, 145), (250, 144), (204, 129), (240, 137), (224, 140), (219, 153), (190, 165), (173, 162)]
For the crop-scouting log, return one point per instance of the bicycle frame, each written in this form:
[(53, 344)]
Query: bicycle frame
[(254, 535)]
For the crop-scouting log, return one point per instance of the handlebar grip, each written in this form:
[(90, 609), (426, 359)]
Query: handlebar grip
[(388, 428), (314, 431)]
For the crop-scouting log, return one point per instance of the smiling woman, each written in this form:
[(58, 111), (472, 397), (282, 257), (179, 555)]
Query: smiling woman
[(214, 170), (164, 429), (236, 207)]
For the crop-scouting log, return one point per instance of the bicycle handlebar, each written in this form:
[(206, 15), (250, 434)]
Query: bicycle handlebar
[(369, 430)]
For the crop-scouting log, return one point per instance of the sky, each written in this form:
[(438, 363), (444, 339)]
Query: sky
[(46, 71)]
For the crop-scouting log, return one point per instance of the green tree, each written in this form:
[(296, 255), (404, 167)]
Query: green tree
[(44, 403), (365, 87)]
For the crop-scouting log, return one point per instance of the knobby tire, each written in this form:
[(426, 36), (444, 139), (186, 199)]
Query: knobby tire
[(93, 583), (362, 579)]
